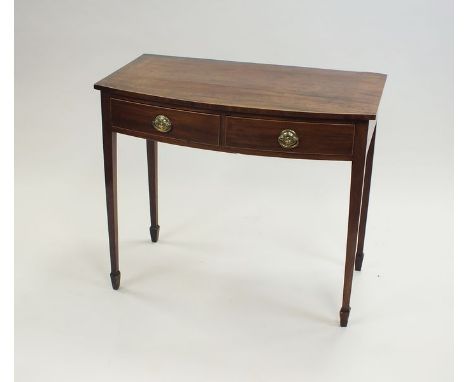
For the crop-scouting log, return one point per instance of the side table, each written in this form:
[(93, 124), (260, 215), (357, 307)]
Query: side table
[(257, 109)]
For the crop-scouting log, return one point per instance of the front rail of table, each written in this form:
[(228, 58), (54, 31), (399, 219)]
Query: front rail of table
[(244, 108)]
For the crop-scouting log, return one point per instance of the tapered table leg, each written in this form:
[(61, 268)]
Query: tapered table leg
[(110, 170), (109, 139), (152, 156), (357, 176), (365, 204)]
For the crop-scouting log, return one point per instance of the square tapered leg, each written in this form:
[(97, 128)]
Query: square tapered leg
[(109, 139), (152, 157), (355, 198)]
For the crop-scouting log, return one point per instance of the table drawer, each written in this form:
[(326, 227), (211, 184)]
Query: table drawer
[(177, 125), (285, 136)]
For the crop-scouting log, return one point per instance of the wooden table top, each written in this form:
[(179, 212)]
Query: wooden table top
[(250, 88)]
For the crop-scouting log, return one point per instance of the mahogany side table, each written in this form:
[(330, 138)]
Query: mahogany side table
[(257, 109)]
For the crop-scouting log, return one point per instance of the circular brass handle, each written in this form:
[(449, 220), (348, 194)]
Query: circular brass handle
[(288, 139), (162, 123)]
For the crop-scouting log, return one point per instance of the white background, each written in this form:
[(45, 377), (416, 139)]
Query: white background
[(250, 291)]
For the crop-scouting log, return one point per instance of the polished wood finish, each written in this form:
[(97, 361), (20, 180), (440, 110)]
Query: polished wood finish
[(109, 139), (365, 203), (152, 158), (187, 126), (314, 138), (249, 88), (329, 140), (243, 108), (355, 197)]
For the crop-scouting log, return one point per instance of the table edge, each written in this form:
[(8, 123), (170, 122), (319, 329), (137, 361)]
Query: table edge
[(231, 108)]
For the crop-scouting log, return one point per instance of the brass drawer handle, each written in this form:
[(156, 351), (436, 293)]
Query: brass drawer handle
[(288, 139), (162, 123)]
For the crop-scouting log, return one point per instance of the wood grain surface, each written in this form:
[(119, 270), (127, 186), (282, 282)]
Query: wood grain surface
[(248, 87)]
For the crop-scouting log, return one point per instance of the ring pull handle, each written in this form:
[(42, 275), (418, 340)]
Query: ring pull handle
[(162, 123), (288, 139)]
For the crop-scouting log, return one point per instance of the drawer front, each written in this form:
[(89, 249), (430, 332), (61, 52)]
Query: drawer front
[(185, 126), (297, 137)]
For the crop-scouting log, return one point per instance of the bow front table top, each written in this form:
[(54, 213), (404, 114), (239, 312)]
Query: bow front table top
[(258, 109)]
